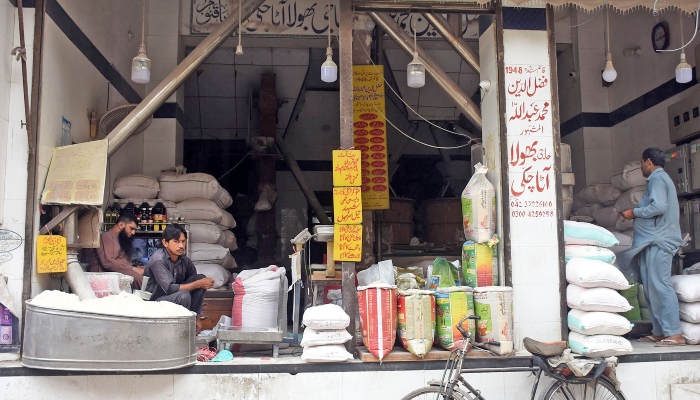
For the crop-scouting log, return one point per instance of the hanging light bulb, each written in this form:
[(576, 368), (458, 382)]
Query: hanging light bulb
[(239, 48), (609, 73), (141, 64), (329, 71), (415, 71), (684, 72)]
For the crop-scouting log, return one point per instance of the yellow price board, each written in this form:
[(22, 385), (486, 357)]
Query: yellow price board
[(347, 243), (347, 205), (346, 168), (51, 254)]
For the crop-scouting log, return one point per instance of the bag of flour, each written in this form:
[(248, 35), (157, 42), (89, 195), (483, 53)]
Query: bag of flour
[(587, 234), (598, 323), (139, 186), (687, 287), (327, 353), (629, 176), (596, 299), (479, 207), (689, 312), (599, 345), (589, 252), (630, 199), (594, 273)]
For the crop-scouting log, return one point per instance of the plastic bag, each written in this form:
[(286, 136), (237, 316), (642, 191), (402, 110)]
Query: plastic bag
[(479, 207), (382, 272), (444, 274)]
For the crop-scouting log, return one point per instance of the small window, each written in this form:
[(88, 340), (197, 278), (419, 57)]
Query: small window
[(676, 120), (686, 116), (696, 112)]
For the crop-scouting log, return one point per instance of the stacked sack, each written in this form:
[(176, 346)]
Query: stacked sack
[(325, 334), (596, 327), (687, 288), (202, 202)]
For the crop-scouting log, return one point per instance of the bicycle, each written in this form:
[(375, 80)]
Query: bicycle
[(594, 386)]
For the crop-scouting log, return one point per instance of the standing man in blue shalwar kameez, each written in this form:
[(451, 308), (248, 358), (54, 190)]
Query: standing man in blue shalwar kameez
[(657, 237)]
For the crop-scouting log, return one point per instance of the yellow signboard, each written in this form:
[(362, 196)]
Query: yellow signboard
[(346, 168), (369, 125), (51, 254), (77, 174), (347, 205), (347, 243)]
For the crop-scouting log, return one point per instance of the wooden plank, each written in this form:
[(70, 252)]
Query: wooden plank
[(399, 354)]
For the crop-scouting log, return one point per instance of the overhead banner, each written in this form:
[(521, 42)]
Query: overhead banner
[(369, 126)]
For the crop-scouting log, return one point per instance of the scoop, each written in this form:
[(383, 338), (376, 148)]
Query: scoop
[(142, 293)]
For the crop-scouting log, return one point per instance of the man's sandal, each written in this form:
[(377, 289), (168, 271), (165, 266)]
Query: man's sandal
[(650, 339), (669, 343)]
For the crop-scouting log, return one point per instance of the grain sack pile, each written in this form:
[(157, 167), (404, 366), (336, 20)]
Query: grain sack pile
[(596, 327), (687, 288), (325, 334)]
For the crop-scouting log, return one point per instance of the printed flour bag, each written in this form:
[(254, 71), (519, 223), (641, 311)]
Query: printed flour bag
[(479, 264), (453, 304), (377, 304), (416, 320), (479, 207), (494, 306)]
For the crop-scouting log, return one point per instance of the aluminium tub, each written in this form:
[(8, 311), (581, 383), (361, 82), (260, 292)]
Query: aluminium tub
[(79, 341)]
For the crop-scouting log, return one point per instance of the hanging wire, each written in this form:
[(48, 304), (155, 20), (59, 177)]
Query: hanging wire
[(593, 17), (607, 30), (240, 5), (697, 13), (402, 100), (329, 23), (143, 24)]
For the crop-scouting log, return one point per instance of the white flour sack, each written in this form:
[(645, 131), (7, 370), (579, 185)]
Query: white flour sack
[(587, 234), (137, 186), (181, 187), (224, 200), (327, 353), (219, 274), (630, 199), (207, 253), (630, 176), (606, 216), (228, 240), (257, 297), (687, 287), (589, 252), (313, 337), (596, 299), (604, 193), (690, 332), (599, 345), (598, 323), (204, 232), (479, 207), (227, 221), (593, 273), (200, 210), (326, 316), (690, 312)]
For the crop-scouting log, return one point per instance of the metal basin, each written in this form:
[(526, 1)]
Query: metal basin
[(78, 341)]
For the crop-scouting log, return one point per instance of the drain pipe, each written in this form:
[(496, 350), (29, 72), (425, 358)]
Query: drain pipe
[(458, 44), (465, 105), (178, 75)]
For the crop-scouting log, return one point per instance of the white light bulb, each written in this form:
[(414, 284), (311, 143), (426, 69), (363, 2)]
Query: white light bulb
[(684, 72), (609, 73), (415, 73), (141, 67), (369, 24), (329, 71)]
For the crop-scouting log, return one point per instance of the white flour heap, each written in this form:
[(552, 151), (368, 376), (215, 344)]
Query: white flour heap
[(124, 304)]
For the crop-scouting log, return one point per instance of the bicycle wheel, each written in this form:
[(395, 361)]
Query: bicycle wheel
[(604, 390), (434, 393)]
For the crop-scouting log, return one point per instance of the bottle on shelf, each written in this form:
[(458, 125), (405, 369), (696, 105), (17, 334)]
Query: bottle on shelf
[(142, 215), (109, 215), (149, 219), (159, 217)]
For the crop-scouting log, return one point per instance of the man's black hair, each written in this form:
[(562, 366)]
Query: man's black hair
[(173, 231), (656, 155), (127, 217)]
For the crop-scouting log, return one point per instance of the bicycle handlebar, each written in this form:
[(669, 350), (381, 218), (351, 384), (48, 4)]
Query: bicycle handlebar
[(461, 330)]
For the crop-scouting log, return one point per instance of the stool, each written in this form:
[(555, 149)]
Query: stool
[(319, 279)]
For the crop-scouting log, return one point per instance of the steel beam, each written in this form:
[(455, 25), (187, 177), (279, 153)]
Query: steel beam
[(444, 28), (421, 6)]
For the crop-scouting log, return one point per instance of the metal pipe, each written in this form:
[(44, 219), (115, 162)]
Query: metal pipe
[(76, 278), (421, 7), (178, 76), (458, 44), (70, 229), (462, 101)]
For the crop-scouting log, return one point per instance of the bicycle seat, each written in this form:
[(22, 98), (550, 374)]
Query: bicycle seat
[(546, 349)]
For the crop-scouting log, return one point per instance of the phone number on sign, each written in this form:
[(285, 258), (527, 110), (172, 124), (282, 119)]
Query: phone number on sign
[(531, 204), (532, 214)]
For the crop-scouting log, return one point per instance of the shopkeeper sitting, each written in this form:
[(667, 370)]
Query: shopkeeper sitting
[(172, 275), (116, 247)]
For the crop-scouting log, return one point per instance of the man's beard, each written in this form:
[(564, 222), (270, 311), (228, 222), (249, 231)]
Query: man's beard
[(126, 244)]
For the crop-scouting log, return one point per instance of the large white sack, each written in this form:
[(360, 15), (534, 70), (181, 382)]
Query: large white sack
[(606, 217), (479, 207), (219, 274), (224, 200), (227, 221), (599, 345), (689, 312), (322, 337), (690, 332), (589, 252), (181, 187), (598, 323), (596, 299), (630, 199), (257, 297), (623, 225), (228, 240), (326, 316), (199, 209), (687, 287), (588, 210), (136, 186), (204, 232), (604, 193), (625, 242), (593, 274), (629, 176), (587, 234), (229, 262), (328, 353), (206, 252)]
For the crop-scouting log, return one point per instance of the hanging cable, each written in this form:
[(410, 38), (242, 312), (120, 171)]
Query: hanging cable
[(402, 100), (239, 48), (593, 17), (697, 12)]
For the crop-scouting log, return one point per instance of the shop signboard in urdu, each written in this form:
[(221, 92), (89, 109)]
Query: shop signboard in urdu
[(77, 174), (347, 206), (369, 126), (51, 254), (532, 193)]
